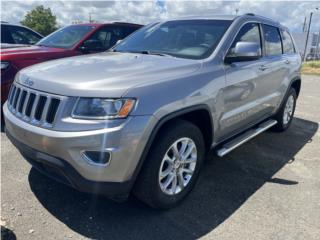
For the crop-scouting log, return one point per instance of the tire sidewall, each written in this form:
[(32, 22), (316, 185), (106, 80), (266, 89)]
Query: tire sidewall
[(293, 93)]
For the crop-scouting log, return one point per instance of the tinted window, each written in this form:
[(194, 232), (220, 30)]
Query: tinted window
[(272, 40), (108, 36), (129, 30), (249, 33), (22, 35), (194, 39), (287, 42), (5, 35), (66, 37)]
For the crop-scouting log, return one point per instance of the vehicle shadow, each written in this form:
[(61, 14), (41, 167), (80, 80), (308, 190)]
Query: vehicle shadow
[(224, 185)]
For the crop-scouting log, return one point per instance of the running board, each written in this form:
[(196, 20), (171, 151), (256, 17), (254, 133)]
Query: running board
[(236, 142)]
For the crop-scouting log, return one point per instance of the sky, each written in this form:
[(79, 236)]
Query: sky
[(290, 13)]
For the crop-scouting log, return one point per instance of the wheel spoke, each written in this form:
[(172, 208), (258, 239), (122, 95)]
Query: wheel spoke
[(190, 160), (168, 181), (181, 180), (174, 184), (187, 170), (175, 150), (168, 159), (188, 152), (165, 173), (183, 148)]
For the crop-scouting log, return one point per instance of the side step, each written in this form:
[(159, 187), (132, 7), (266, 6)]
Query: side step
[(236, 142)]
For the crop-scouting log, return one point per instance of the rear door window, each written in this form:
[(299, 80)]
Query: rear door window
[(272, 40), (288, 46)]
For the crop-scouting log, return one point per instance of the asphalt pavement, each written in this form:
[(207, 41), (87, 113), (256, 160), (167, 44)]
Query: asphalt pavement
[(269, 188)]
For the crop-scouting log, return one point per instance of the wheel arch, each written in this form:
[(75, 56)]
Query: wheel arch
[(296, 84), (185, 114)]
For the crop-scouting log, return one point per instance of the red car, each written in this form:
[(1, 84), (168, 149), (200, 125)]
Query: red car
[(68, 41)]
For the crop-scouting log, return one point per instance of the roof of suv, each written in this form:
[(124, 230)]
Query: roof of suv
[(248, 16), (108, 23)]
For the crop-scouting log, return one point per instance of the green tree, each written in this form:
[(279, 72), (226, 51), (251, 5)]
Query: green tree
[(41, 20)]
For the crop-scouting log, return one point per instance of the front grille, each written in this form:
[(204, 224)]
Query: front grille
[(38, 108)]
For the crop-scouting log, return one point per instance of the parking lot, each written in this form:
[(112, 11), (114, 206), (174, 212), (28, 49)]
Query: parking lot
[(268, 188)]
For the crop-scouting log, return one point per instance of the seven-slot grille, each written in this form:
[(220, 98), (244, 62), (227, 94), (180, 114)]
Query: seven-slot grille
[(32, 106)]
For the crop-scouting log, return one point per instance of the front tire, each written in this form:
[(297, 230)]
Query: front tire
[(172, 165), (286, 112)]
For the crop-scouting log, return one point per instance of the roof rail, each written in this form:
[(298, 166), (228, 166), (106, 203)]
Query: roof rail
[(270, 19)]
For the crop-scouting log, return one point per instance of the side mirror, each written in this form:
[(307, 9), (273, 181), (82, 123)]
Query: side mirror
[(244, 51), (91, 45), (119, 41)]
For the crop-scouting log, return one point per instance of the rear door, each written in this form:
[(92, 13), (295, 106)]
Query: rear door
[(276, 65)]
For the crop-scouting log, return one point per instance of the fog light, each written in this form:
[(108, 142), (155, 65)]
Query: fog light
[(97, 157)]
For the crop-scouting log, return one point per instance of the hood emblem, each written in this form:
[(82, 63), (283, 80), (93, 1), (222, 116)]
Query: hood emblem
[(28, 82)]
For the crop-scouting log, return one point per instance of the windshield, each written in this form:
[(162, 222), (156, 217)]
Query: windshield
[(194, 39), (66, 37)]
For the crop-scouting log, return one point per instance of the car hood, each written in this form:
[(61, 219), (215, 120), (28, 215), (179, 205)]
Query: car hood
[(105, 74), (11, 45), (27, 51)]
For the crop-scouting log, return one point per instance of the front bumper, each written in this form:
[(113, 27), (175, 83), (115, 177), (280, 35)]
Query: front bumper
[(63, 172), (126, 143)]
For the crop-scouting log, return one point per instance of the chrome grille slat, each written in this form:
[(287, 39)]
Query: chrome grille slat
[(12, 95), (16, 98), (21, 102), (45, 109), (25, 103), (37, 108), (34, 107), (30, 103)]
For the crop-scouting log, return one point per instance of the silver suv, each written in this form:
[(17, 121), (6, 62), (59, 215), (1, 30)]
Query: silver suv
[(141, 117)]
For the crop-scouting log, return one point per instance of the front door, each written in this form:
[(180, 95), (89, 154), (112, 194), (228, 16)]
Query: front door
[(248, 95)]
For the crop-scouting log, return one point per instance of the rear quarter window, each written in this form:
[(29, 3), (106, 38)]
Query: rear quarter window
[(288, 46)]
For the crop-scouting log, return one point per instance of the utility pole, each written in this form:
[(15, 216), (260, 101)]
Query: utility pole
[(306, 45), (318, 43), (304, 24), (90, 19)]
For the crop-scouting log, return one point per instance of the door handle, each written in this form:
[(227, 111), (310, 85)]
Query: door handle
[(287, 61), (263, 67)]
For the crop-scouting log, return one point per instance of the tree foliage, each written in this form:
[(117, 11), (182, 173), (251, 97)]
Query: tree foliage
[(41, 20)]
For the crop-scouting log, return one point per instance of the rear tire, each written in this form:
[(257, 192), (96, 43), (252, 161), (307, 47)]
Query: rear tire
[(286, 112), (167, 160)]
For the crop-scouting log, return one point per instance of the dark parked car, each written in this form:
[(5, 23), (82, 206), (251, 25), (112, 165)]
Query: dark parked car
[(65, 42), (15, 34)]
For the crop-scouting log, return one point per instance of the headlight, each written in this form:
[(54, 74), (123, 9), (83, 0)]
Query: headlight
[(102, 108), (4, 65)]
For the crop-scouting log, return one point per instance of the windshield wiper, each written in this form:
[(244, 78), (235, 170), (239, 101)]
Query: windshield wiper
[(155, 53), (147, 52)]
